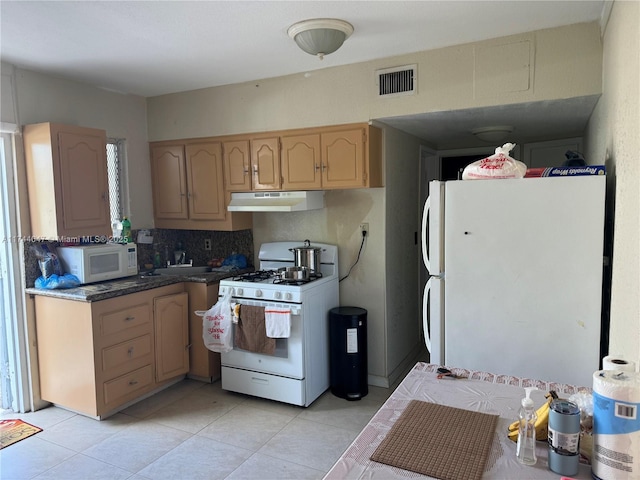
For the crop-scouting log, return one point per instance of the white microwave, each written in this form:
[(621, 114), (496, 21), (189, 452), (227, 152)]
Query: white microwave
[(95, 263)]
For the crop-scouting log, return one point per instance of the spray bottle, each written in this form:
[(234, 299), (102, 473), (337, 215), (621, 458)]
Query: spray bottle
[(526, 447)]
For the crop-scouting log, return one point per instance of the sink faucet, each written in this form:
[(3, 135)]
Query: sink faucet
[(180, 257)]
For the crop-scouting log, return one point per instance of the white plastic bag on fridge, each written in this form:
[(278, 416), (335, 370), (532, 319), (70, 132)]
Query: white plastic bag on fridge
[(498, 165)]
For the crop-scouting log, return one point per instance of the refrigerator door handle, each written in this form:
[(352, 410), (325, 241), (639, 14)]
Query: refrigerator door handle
[(425, 232), (425, 314)]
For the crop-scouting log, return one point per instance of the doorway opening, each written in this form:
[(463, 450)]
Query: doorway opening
[(451, 168)]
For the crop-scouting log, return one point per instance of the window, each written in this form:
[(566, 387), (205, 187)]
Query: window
[(115, 160)]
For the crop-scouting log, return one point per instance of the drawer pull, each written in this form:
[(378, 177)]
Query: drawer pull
[(128, 319), (133, 382), (130, 352)]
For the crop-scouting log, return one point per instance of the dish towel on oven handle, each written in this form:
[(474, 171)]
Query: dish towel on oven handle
[(277, 322), (250, 332)]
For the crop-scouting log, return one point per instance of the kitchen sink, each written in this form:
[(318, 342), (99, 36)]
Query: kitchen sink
[(180, 270)]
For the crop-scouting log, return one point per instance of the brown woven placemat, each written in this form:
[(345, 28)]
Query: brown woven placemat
[(439, 441)]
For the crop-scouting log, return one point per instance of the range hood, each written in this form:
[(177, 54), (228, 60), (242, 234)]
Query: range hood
[(276, 201)]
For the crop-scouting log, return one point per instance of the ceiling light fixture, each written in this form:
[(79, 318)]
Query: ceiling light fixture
[(492, 134), (320, 36)]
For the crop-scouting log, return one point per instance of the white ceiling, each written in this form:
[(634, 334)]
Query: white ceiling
[(152, 48)]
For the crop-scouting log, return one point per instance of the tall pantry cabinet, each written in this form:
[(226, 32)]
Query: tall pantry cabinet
[(67, 180)]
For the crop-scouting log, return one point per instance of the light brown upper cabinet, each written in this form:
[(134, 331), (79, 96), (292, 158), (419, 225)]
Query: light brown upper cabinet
[(188, 187), (301, 163), (67, 180), (237, 166), (252, 164), (265, 163), (349, 156)]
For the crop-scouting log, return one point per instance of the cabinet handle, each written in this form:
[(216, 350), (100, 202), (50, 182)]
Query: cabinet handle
[(324, 167), (133, 382), (255, 171), (317, 167), (188, 346), (245, 171), (130, 352), (128, 319)]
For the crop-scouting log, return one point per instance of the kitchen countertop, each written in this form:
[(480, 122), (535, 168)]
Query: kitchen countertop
[(136, 283)]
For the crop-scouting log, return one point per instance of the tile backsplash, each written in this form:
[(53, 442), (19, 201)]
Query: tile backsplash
[(165, 242), (223, 244)]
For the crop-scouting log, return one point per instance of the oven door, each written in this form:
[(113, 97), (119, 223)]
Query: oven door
[(287, 359)]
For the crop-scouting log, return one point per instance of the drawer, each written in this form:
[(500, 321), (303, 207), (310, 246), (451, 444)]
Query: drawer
[(127, 387), (262, 385), (126, 352), (128, 318)]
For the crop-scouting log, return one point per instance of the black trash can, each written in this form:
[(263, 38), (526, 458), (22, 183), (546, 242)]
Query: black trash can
[(348, 352)]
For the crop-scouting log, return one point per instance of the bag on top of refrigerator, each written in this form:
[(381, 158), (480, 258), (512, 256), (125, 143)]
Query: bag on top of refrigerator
[(498, 165)]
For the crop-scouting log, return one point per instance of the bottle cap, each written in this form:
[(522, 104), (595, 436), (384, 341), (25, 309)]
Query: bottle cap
[(526, 401)]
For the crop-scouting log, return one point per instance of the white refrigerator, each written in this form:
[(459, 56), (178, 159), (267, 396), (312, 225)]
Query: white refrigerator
[(515, 276)]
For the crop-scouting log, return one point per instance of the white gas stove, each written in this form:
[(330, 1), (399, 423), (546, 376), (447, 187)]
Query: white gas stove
[(298, 371), (265, 284)]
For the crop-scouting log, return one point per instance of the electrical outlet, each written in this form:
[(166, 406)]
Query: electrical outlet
[(364, 229), (207, 244)]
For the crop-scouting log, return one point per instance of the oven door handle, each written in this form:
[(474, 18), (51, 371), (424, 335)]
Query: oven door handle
[(295, 309)]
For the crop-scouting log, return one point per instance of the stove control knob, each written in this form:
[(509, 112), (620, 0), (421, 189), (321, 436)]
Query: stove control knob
[(288, 296), (258, 293), (278, 295), (239, 292)]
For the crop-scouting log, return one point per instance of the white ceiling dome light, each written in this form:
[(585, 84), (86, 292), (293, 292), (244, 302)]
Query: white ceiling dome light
[(320, 36), (492, 134)]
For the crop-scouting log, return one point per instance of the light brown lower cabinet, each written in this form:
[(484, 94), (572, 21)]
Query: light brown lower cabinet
[(97, 358), (204, 365)]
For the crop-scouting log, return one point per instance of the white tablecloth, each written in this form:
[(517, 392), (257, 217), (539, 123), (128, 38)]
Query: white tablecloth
[(479, 391)]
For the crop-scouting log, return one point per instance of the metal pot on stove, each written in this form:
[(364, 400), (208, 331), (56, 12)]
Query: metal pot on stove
[(294, 273), (307, 256)]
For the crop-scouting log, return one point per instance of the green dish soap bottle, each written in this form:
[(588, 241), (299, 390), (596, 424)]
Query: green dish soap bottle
[(126, 230)]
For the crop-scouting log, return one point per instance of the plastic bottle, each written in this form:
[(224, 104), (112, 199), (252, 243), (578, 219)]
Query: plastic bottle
[(526, 447), (126, 230)]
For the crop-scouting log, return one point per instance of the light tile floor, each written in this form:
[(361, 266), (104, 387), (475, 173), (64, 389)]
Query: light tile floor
[(192, 431)]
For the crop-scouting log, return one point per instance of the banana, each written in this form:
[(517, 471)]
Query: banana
[(542, 421)]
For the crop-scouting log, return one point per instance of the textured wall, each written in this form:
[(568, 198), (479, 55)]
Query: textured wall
[(613, 137)]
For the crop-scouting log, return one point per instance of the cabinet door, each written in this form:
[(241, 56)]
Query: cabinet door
[(172, 335), (236, 166), (551, 153), (203, 362), (205, 190), (265, 163), (169, 182), (84, 184), (301, 162), (343, 159)]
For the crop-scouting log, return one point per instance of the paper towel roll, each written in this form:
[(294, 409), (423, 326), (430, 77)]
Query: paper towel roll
[(616, 425), (613, 362)]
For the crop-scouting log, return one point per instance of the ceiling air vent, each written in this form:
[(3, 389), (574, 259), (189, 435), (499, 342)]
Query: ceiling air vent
[(392, 82)]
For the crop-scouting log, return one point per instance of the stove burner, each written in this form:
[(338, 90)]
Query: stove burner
[(263, 275), (287, 281), (257, 276)]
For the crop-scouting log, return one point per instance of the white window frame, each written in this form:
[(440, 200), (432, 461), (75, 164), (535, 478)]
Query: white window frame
[(13, 319), (123, 177)]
